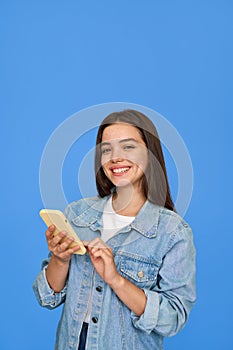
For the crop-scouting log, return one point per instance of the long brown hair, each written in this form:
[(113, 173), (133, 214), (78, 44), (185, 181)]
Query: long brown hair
[(154, 182)]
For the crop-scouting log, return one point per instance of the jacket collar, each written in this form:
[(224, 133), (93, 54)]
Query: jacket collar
[(146, 222)]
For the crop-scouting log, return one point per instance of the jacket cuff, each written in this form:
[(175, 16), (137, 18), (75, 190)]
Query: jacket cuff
[(148, 320), (45, 294)]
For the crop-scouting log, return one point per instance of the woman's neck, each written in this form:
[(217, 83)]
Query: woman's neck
[(127, 203)]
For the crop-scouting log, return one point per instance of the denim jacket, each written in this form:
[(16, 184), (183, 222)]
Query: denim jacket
[(155, 252)]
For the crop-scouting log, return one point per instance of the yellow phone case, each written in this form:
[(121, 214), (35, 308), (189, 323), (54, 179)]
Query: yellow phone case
[(57, 218)]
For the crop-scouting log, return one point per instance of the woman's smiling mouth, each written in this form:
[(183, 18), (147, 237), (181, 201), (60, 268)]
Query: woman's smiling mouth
[(120, 170)]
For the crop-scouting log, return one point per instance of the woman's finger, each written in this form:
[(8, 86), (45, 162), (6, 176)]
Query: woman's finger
[(66, 244), (85, 243), (97, 243), (104, 253), (57, 239), (49, 231)]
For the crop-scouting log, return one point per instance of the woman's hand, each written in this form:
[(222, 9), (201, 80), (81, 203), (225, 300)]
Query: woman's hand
[(102, 258), (59, 245), (58, 267)]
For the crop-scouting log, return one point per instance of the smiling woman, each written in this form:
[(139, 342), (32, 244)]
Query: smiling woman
[(136, 284), (124, 159), (154, 179)]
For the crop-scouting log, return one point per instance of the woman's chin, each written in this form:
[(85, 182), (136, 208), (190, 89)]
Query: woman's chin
[(123, 183)]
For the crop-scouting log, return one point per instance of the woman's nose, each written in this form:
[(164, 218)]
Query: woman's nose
[(116, 155)]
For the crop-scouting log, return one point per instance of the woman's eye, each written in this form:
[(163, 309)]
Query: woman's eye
[(105, 150), (126, 147)]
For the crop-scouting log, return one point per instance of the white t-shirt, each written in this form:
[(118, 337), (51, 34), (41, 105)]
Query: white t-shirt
[(112, 223)]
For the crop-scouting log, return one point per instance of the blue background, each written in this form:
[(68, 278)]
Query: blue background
[(58, 57)]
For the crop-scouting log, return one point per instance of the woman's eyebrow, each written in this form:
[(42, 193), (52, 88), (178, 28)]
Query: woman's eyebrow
[(129, 139), (121, 141), (105, 144)]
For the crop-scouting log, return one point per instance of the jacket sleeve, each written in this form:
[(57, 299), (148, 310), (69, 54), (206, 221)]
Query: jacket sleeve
[(46, 297), (170, 301)]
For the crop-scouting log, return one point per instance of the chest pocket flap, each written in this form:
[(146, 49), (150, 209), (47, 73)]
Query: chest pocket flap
[(138, 270)]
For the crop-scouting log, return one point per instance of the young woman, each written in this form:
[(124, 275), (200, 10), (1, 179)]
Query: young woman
[(136, 283)]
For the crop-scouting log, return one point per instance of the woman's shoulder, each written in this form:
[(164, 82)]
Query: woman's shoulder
[(161, 222), (172, 216), (80, 206), (163, 216), (173, 224)]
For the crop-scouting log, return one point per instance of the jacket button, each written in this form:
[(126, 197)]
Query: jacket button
[(99, 289), (140, 274), (94, 319)]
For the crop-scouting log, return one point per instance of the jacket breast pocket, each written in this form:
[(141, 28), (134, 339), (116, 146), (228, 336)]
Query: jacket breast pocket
[(140, 272)]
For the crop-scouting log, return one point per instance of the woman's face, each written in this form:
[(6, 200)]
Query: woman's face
[(124, 155)]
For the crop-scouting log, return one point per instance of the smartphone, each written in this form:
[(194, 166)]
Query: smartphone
[(58, 219)]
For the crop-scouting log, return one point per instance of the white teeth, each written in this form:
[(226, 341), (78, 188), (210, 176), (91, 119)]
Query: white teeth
[(120, 170)]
